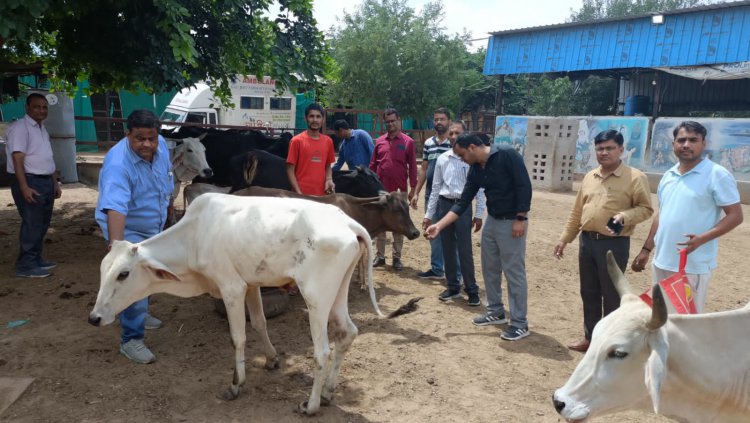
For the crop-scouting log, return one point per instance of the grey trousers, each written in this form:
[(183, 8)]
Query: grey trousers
[(598, 293), (398, 243), (501, 253)]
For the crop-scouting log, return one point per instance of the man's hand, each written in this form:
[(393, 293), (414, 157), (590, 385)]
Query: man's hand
[(28, 194), (432, 232), (413, 202), (426, 222), (330, 186), (640, 261), (693, 242), (412, 195), (618, 218), (477, 222), (559, 248), (58, 190), (519, 228)]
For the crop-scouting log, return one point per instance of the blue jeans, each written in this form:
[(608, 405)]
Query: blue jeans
[(436, 246), (133, 320), (35, 219)]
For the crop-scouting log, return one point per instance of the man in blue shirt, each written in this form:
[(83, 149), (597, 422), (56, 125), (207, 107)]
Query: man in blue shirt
[(135, 195), (692, 196), (501, 172), (355, 148)]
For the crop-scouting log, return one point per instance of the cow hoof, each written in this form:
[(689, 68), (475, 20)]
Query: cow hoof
[(302, 409), (272, 364), (230, 394)]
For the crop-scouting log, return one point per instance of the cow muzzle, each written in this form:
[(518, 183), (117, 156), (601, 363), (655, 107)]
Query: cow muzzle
[(95, 320), (413, 234), (207, 172), (570, 410)]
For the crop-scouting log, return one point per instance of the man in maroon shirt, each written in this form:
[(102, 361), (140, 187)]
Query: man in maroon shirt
[(394, 160)]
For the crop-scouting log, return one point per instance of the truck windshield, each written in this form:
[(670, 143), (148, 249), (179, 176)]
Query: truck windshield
[(168, 116)]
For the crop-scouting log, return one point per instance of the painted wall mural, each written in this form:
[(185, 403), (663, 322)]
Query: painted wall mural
[(512, 130), (727, 143)]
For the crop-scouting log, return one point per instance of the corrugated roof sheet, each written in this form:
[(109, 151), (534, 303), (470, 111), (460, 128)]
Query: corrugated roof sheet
[(704, 35)]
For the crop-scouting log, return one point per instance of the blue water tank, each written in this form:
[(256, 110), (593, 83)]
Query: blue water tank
[(637, 105)]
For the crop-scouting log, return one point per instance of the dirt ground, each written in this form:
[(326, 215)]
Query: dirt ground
[(429, 366)]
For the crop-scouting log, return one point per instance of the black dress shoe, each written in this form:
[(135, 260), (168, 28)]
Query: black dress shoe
[(397, 266), (378, 262)]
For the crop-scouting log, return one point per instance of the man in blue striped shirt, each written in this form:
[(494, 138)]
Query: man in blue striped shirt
[(355, 148), (432, 149), (448, 184)]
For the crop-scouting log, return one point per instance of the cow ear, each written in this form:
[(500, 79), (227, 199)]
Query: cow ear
[(161, 271), (656, 366)]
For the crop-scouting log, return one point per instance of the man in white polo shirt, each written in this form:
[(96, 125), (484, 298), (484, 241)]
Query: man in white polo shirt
[(692, 196), (34, 188)]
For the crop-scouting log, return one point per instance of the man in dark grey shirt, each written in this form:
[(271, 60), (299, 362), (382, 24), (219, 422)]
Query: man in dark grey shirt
[(502, 174)]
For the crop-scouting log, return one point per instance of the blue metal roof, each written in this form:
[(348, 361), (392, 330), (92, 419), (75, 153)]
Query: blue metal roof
[(699, 36)]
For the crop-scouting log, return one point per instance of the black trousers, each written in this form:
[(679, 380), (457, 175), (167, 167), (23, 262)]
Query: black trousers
[(35, 219), (597, 290)]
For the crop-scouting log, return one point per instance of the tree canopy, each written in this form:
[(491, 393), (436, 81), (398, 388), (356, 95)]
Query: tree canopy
[(600, 9), (387, 54), (158, 45)]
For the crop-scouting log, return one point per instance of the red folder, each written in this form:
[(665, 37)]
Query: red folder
[(677, 289)]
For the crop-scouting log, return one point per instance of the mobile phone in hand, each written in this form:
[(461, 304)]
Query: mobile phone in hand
[(615, 227)]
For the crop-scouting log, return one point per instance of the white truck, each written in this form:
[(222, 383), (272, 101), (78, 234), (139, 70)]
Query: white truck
[(256, 104)]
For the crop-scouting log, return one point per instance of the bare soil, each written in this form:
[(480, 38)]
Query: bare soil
[(429, 366)]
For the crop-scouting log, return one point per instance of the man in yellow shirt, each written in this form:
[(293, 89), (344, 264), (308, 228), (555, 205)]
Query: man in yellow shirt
[(613, 199)]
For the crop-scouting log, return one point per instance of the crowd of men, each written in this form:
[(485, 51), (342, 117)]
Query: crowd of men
[(136, 183)]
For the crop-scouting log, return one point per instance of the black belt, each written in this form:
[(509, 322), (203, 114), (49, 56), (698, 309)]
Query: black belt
[(450, 200), (39, 176), (509, 216), (597, 236)]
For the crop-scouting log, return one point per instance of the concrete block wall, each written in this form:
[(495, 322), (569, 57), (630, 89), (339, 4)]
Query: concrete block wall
[(550, 153)]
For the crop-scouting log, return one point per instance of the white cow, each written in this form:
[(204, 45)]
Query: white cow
[(188, 157), (229, 247), (695, 368)]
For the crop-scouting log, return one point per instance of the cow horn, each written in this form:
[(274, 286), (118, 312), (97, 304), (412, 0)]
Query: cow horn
[(250, 168), (618, 279), (658, 310)]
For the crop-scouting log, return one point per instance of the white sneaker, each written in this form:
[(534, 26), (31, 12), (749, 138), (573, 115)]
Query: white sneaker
[(152, 322), (137, 351)]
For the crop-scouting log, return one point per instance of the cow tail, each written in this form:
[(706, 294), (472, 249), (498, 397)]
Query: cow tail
[(365, 263)]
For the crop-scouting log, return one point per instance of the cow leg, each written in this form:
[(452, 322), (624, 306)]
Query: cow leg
[(258, 321), (318, 315), (343, 331), (236, 317)]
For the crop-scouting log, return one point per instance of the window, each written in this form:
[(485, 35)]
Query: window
[(212, 118), (281, 103), (251, 103), (196, 117)]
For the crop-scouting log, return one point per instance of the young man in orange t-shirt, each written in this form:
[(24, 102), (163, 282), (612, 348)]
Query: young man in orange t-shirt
[(308, 164)]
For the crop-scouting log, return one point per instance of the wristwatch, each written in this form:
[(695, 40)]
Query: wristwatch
[(521, 218)]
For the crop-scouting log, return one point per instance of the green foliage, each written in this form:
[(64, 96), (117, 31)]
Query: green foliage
[(600, 9), (389, 55), (594, 95), (158, 45)]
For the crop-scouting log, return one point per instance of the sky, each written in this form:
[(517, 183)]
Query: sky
[(478, 16)]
